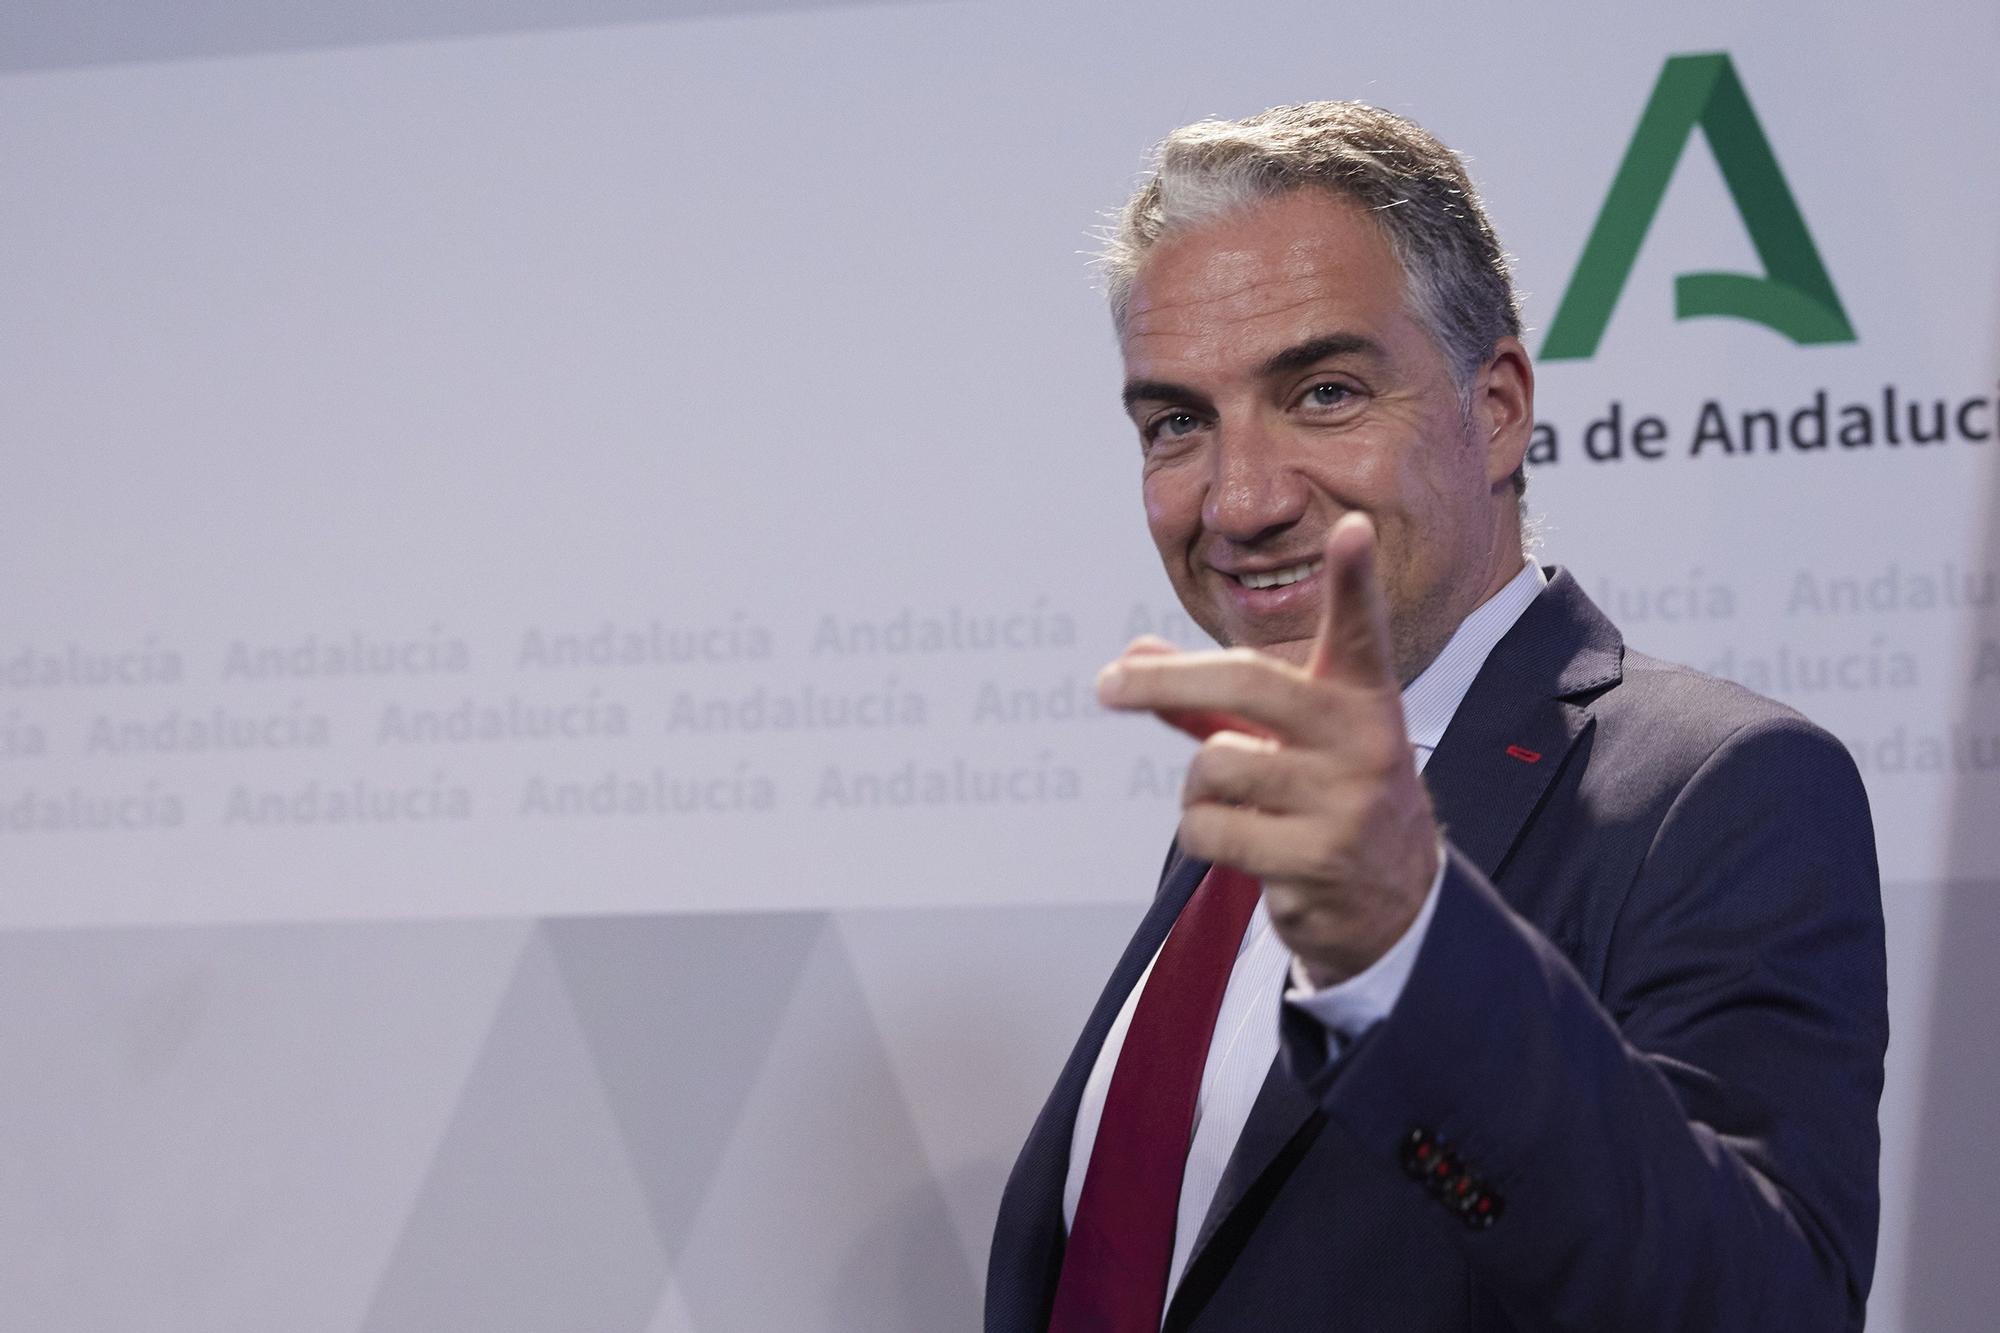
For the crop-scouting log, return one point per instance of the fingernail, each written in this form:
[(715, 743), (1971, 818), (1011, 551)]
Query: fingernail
[(1110, 684)]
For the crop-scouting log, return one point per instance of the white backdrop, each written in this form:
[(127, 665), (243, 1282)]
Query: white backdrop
[(516, 535)]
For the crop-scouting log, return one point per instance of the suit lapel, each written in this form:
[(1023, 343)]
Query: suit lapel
[(1517, 723), (1177, 885), (1561, 650), (1283, 1112), (1030, 1224)]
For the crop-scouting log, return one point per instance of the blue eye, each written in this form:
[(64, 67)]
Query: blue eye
[(1328, 395), (1175, 424)]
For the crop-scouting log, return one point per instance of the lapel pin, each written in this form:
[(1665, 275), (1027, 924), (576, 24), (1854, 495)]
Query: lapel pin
[(1524, 754)]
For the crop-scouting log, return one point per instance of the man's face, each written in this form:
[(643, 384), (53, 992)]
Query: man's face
[(1278, 382)]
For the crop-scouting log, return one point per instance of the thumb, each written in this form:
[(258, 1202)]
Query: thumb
[(1353, 642)]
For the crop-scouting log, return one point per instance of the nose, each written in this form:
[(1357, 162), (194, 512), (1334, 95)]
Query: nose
[(1253, 491)]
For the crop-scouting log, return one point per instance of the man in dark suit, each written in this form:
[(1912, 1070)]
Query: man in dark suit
[(1583, 1027)]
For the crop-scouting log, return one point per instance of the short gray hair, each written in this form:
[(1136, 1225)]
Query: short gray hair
[(1455, 274)]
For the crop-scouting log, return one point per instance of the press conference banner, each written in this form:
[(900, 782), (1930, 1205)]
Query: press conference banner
[(555, 558)]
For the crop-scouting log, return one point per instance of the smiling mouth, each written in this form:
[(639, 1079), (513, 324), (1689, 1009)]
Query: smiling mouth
[(1281, 578)]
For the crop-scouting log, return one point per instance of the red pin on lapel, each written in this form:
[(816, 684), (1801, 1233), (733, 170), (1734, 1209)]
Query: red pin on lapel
[(1524, 754)]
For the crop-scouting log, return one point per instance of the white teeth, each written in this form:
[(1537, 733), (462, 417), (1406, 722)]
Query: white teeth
[(1278, 578)]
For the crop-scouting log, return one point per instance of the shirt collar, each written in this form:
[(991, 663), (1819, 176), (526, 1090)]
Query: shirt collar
[(1431, 699)]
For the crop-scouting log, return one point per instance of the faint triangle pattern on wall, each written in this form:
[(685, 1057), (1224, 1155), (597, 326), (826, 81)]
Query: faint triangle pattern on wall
[(529, 1218), (679, 1013), (823, 1213), (609, 1081), (977, 1007), (671, 1316)]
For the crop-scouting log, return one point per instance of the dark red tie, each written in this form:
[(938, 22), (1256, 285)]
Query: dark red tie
[(1114, 1274)]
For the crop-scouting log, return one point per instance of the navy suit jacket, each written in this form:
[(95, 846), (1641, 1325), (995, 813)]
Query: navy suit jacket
[(1648, 1022)]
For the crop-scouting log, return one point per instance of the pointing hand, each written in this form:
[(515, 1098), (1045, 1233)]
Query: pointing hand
[(1304, 778)]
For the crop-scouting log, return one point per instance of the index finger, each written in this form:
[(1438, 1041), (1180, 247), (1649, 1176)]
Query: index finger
[(1237, 689), (1353, 642), (1199, 723)]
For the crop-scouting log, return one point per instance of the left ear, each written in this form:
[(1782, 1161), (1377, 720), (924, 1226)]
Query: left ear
[(1503, 408)]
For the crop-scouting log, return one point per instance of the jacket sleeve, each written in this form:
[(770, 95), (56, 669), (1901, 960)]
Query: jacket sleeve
[(1693, 1146)]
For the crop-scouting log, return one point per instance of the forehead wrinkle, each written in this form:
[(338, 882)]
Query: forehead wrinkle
[(1136, 332), (1242, 338), (1244, 290)]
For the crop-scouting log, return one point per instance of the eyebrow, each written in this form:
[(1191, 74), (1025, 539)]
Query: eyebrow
[(1294, 358), (1314, 350), (1161, 391)]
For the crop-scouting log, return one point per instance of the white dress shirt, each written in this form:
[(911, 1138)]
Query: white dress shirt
[(1245, 1041)]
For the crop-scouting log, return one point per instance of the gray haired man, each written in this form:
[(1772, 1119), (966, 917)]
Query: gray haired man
[(1499, 977)]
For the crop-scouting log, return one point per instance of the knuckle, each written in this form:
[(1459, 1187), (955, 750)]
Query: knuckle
[(1237, 741), (1230, 766), (1208, 769), (1200, 764), (1202, 834)]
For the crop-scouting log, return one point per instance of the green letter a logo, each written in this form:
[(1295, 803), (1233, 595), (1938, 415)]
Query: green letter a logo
[(1794, 296)]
